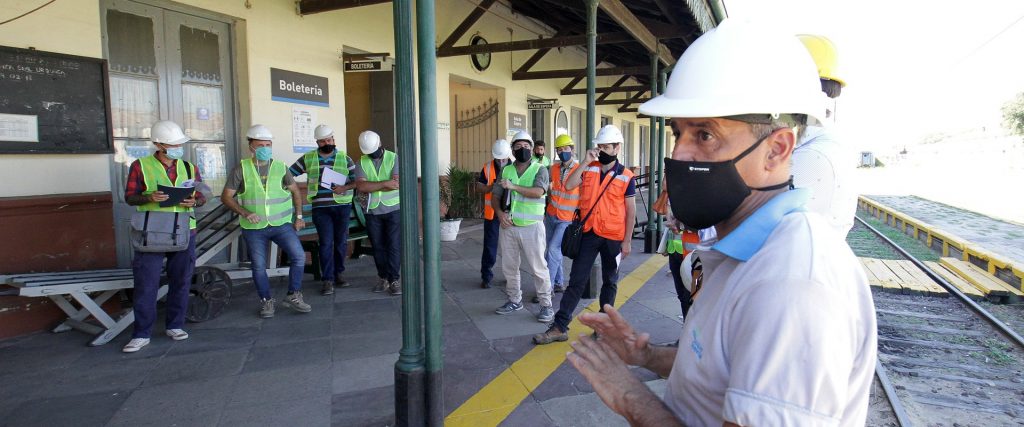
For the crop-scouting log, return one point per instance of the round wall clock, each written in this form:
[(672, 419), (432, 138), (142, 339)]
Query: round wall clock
[(480, 60)]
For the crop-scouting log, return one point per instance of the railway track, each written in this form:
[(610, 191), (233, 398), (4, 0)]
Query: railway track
[(944, 361)]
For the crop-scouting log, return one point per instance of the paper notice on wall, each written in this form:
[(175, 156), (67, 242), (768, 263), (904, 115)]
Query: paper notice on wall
[(303, 122), (19, 128)]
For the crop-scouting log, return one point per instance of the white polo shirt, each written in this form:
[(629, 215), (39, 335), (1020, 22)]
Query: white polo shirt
[(782, 330), (821, 164)]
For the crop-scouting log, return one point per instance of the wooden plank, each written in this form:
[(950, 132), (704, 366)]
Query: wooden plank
[(309, 7), (955, 280), (917, 278), (570, 73), (625, 18), (977, 277), (884, 275), (904, 278), (872, 280)]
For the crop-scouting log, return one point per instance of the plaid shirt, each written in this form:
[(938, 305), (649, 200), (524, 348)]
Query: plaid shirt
[(137, 185)]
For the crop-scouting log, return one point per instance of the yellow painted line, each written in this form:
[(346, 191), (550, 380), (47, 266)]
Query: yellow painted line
[(496, 400)]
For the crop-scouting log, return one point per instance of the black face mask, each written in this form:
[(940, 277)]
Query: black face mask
[(605, 158), (522, 154), (703, 194), (377, 154), (327, 149)]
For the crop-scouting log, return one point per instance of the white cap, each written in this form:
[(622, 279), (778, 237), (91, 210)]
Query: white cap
[(369, 141), (259, 132), (522, 136), (609, 134), (322, 132), (167, 132), (501, 149), (738, 69)]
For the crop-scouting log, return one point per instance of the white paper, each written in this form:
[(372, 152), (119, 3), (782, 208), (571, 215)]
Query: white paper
[(19, 128), (331, 177), (663, 246), (303, 122)]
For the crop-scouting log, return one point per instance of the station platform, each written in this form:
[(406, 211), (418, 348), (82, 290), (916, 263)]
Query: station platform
[(334, 366)]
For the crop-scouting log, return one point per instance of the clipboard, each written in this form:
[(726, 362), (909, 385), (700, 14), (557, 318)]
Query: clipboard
[(175, 194)]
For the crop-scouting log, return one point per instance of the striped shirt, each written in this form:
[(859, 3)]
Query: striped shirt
[(324, 196)]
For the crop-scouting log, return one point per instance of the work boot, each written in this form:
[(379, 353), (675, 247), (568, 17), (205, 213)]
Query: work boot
[(396, 287), (551, 335), (509, 307), (546, 315), (328, 288), (267, 308), (295, 301), (381, 286), (340, 282), (486, 284), (559, 288)]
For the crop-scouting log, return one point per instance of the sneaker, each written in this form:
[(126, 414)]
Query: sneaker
[(267, 308), (177, 334), (486, 284), (559, 288), (546, 315), (328, 288), (340, 282), (509, 307), (135, 344), (551, 335), (536, 299), (381, 286), (296, 303), (396, 287)]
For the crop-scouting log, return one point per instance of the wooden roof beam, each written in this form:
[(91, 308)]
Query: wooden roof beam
[(539, 43), (467, 23), (309, 7), (625, 18), (573, 73), (619, 89), (617, 83)]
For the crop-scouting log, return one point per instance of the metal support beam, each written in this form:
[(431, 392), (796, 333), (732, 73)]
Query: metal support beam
[(309, 7), (620, 89), (466, 24), (625, 18), (650, 244), (410, 405), (564, 74), (662, 77)]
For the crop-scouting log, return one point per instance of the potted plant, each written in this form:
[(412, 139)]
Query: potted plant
[(455, 194)]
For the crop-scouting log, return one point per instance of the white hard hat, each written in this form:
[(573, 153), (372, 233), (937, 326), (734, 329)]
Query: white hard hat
[(167, 132), (609, 134), (523, 136), (501, 149), (259, 132), (741, 68), (322, 132), (686, 271), (369, 141)]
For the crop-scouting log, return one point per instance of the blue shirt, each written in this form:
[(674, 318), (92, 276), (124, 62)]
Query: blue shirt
[(743, 242)]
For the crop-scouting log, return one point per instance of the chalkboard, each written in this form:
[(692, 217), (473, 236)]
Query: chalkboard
[(64, 95)]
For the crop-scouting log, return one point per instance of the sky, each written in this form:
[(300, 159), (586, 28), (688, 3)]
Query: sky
[(912, 67)]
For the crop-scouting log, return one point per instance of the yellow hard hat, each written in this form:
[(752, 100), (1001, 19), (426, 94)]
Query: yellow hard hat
[(825, 56), (563, 140)]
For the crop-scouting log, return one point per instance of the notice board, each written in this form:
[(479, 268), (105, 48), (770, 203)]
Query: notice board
[(53, 103)]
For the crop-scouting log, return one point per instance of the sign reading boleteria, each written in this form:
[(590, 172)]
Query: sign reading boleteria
[(290, 86)]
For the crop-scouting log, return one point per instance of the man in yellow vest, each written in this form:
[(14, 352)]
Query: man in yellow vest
[(607, 231), (539, 154), (164, 167), (268, 199), (501, 151), (377, 175), (331, 204), (518, 202), (562, 204)]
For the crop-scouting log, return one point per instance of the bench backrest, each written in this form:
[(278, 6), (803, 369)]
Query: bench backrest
[(356, 223)]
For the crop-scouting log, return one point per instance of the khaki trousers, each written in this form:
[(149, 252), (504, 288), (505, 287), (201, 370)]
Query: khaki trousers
[(524, 247)]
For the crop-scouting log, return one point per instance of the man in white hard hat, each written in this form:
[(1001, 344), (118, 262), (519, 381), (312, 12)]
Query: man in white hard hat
[(164, 167), (331, 203), (518, 203), (376, 175), (607, 210), (268, 201), (501, 152), (782, 331)]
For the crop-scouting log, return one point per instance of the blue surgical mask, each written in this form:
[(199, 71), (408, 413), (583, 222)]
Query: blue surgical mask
[(565, 156), (264, 153), (175, 152)]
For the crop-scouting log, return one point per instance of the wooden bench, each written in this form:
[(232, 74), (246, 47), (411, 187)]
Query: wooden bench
[(310, 240)]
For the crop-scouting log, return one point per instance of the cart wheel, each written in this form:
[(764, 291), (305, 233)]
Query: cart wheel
[(211, 290)]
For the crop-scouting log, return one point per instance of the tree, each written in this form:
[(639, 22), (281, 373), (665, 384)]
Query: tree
[(1013, 115)]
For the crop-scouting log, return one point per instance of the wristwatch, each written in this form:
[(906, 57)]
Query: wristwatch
[(299, 216)]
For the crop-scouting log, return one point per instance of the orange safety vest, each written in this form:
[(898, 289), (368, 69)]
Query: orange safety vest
[(563, 203), (609, 220), (490, 173)]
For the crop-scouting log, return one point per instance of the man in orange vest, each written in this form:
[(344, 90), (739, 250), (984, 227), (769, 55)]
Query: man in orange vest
[(562, 204), (501, 151), (607, 230)]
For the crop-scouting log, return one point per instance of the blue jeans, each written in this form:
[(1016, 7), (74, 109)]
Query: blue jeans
[(555, 230), (490, 254), (146, 269), (285, 237), (385, 235), (332, 230), (591, 246)]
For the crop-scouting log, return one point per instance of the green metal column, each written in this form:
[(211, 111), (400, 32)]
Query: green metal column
[(410, 409), (594, 285), (650, 238), (427, 65), (662, 78)]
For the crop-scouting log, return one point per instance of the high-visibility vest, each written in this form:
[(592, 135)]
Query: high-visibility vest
[(525, 210), (273, 203), (490, 174), (563, 203), (544, 161), (312, 161), (154, 173), (387, 198), (683, 243), (609, 219)]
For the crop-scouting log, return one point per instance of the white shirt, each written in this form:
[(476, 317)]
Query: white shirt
[(782, 330), (823, 165)]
